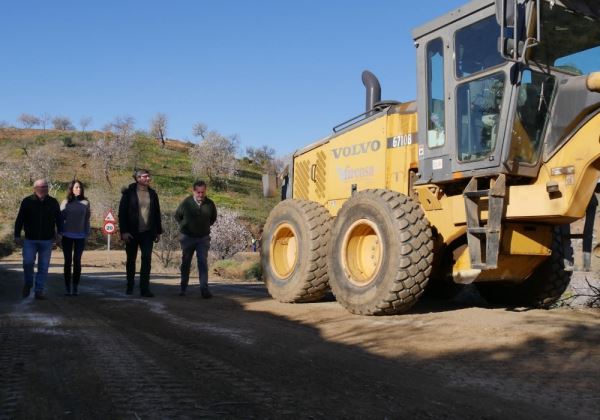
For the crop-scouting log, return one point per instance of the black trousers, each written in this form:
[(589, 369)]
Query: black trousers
[(72, 251), (145, 242)]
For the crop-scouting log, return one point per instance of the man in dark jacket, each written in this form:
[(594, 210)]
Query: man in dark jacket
[(195, 215), (140, 226), (39, 214)]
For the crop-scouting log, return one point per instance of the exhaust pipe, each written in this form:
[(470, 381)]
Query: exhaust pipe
[(373, 89)]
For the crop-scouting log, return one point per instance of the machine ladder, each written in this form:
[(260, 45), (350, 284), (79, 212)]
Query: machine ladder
[(484, 238)]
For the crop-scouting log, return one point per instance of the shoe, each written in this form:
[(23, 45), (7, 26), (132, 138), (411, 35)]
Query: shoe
[(26, 291), (129, 291), (182, 293), (206, 294), (147, 294), (68, 291), (75, 291), (40, 296)]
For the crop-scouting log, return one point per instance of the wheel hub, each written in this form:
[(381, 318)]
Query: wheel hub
[(284, 251), (362, 252)]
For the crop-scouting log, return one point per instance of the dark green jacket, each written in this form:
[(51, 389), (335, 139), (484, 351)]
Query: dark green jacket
[(196, 220)]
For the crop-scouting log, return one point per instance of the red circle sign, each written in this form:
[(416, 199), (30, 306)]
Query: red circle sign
[(108, 228)]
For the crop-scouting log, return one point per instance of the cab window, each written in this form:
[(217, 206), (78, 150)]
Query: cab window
[(533, 102), (478, 105), (476, 47), (435, 94)]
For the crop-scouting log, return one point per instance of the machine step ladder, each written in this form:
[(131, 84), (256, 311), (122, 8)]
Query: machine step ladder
[(484, 239)]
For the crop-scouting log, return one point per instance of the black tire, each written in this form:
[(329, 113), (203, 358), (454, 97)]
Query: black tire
[(380, 255), (441, 283), (296, 272), (543, 288)]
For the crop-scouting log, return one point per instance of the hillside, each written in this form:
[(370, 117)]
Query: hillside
[(69, 154)]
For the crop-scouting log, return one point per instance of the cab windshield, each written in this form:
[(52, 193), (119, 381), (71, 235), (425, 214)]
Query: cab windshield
[(570, 38)]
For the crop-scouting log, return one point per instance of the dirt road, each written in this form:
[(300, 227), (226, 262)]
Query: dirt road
[(241, 355)]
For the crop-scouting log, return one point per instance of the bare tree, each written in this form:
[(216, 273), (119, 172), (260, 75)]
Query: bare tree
[(169, 240), (158, 127), (45, 120), (123, 127), (28, 120), (199, 130), (112, 150), (214, 156), (228, 235), (63, 124), (263, 156), (84, 123)]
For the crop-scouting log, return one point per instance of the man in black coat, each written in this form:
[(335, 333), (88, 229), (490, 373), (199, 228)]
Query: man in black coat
[(39, 215), (140, 226)]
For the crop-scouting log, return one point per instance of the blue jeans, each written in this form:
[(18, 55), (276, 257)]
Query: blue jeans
[(200, 246), (43, 250)]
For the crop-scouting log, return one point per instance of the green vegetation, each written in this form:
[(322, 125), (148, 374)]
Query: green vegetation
[(170, 166)]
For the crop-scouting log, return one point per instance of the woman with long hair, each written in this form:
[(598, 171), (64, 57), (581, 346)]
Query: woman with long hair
[(75, 211)]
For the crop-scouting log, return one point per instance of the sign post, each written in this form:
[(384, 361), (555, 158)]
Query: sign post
[(109, 226)]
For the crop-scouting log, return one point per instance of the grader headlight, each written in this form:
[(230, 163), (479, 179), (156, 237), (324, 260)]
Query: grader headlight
[(593, 82)]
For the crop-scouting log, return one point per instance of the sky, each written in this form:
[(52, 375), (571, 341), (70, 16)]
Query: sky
[(275, 72)]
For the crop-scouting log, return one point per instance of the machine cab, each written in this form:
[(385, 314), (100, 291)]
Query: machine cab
[(483, 108)]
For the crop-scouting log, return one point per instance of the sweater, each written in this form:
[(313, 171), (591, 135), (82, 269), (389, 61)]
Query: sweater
[(195, 220), (76, 218), (40, 218)]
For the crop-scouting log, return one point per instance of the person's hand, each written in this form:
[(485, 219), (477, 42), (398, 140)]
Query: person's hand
[(19, 241), (157, 239), (126, 237)]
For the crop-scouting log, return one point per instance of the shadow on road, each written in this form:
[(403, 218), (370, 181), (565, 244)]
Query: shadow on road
[(107, 355)]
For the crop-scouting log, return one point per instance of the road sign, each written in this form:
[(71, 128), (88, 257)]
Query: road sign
[(109, 216), (108, 228)]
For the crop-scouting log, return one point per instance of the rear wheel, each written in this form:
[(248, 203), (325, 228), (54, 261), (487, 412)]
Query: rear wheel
[(543, 288), (441, 284), (294, 250), (380, 255)]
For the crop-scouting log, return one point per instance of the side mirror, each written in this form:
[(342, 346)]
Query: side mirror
[(515, 22), (505, 15)]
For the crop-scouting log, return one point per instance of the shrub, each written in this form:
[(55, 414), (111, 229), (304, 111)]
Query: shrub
[(67, 141), (254, 272), (7, 246), (169, 241)]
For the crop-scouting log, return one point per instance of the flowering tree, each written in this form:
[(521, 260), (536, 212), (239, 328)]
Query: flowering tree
[(13, 181), (214, 157), (228, 235), (63, 124), (28, 120), (113, 148), (158, 127), (41, 162)]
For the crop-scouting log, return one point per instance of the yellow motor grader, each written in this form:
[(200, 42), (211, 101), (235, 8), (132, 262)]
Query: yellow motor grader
[(474, 182)]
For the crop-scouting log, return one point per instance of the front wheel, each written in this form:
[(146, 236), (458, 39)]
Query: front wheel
[(381, 252)]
